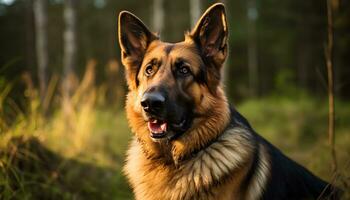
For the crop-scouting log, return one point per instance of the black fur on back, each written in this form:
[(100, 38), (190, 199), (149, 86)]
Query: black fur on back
[(287, 179)]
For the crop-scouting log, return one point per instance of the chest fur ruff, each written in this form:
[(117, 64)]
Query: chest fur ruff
[(204, 176)]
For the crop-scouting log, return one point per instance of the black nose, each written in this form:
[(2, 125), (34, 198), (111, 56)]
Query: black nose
[(152, 102)]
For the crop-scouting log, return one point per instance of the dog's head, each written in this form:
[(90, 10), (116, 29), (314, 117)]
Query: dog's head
[(172, 85)]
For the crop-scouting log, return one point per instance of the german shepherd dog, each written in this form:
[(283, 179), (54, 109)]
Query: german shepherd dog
[(189, 143)]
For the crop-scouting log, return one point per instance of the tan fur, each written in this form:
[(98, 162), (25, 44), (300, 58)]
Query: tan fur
[(155, 170), (224, 161), (210, 160), (256, 188)]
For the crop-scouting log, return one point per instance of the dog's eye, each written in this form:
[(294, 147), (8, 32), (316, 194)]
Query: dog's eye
[(149, 70), (184, 70)]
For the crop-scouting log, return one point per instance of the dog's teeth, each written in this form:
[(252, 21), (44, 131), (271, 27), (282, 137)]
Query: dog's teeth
[(163, 127)]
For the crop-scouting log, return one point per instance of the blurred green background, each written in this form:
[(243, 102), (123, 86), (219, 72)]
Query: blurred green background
[(63, 131)]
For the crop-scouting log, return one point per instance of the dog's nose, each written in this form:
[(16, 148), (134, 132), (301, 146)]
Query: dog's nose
[(152, 102)]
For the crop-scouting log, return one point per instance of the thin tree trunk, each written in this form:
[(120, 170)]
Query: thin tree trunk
[(195, 11), (330, 70), (303, 52), (29, 35), (70, 44), (158, 15), (252, 15), (40, 16)]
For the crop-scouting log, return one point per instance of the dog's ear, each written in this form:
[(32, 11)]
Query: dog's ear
[(134, 38), (210, 34)]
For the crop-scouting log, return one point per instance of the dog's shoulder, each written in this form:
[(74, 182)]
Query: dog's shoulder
[(290, 180), (280, 177)]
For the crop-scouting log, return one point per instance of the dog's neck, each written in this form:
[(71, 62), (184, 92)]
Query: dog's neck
[(207, 129)]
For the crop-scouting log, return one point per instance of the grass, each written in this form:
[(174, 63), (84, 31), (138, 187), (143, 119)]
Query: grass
[(79, 154), (46, 163), (74, 152)]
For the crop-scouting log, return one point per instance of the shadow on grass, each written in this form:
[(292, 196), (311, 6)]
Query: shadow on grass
[(29, 170)]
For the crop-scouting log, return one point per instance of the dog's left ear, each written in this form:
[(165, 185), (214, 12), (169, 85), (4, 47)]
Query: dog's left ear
[(210, 34)]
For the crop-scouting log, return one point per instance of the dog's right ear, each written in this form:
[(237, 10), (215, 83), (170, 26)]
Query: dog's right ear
[(210, 35), (134, 38)]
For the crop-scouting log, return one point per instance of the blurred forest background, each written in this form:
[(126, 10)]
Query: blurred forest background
[(63, 132)]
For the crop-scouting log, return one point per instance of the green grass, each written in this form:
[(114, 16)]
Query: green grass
[(80, 155)]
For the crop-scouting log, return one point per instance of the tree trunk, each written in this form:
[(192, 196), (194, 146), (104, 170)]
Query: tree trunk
[(252, 15), (330, 70), (195, 11), (303, 51), (30, 37), (158, 15), (70, 44), (40, 16)]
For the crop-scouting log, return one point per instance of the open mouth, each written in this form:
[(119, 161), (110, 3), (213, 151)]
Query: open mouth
[(160, 129)]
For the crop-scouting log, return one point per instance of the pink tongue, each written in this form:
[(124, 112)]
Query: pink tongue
[(156, 126)]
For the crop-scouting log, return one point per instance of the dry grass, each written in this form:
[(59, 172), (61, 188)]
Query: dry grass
[(74, 152)]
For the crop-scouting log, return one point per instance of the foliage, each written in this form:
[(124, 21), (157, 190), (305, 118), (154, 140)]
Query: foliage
[(290, 35)]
